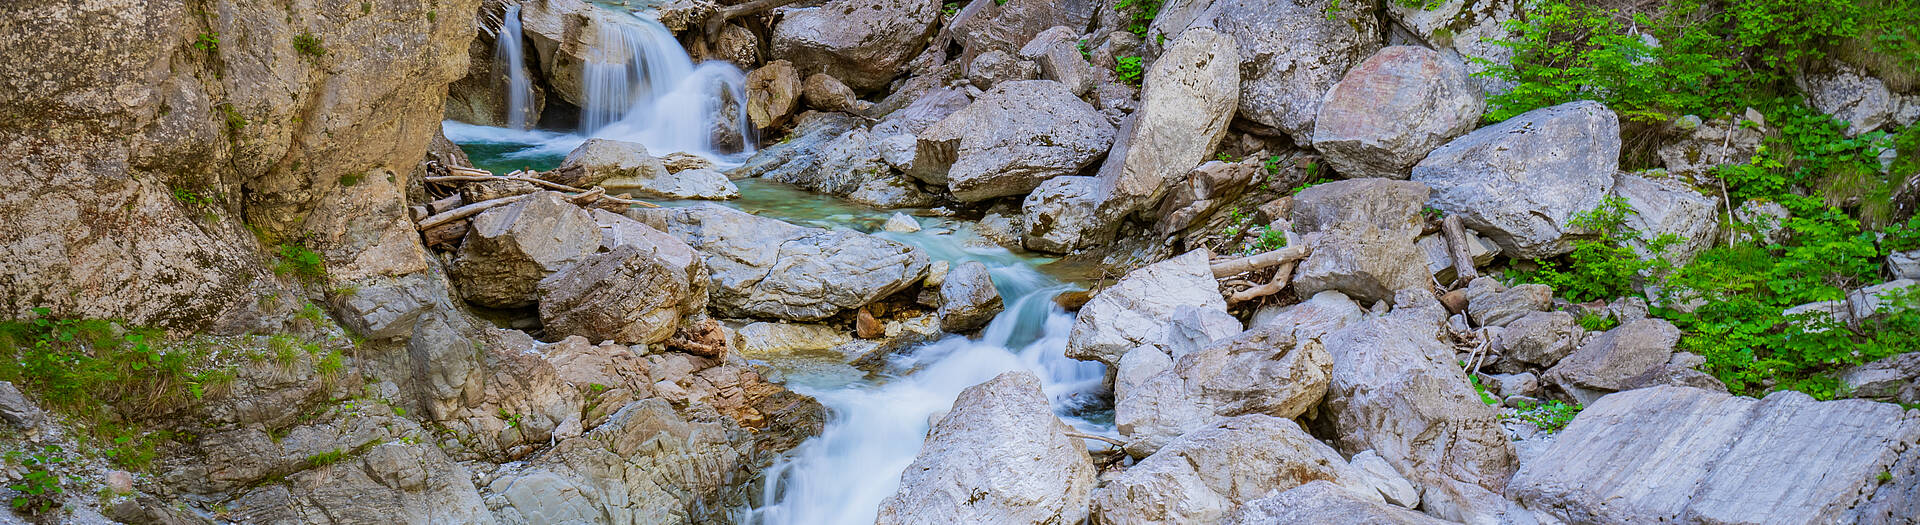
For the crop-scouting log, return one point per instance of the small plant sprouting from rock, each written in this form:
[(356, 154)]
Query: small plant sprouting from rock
[(350, 179), (209, 42), (1597, 322), (39, 488), (1549, 417), (949, 9), (431, 15), (299, 262), (235, 122), (366, 8), (326, 458), (1481, 389), (1141, 13), (309, 46), (1129, 70)]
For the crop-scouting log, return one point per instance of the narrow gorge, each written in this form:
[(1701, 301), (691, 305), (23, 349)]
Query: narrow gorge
[(890, 262)]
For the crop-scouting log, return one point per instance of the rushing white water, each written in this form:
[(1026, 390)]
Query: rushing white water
[(507, 55), (641, 86), (874, 431)]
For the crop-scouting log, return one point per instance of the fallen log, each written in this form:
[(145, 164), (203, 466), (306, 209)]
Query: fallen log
[(1261, 261), (469, 211), (1279, 282), (1456, 233), (538, 182), (719, 19)]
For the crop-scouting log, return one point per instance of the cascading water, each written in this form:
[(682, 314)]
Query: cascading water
[(641, 86), (508, 56), (875, 431)]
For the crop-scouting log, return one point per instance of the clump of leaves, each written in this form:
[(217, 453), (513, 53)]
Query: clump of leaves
[(39, 487), (1604, 267), (326, 458), (1129, 70), (1140, 14), (1549, 417), (1597, 322), (309, 46), (300, 262), (208, 42)]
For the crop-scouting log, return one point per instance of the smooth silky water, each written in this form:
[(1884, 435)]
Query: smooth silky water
[(641, 87)]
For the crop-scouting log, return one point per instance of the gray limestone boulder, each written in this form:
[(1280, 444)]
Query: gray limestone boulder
[(1206, 474), (1665, 206), (767, 268), (1261, 371), (864, 43), (1685, 455), (1186, 102), (1894, 378), (1292, 52), (1324, 502), (1613, 359), (1014, 137), (1136, 310), (510, 248), (1849, 94), (1313, 318), (1520, 182), (1008, 25), (1057, 52), (1540, 338), (999, 456), (969, 298), (1367, 251), (994, 67), (1394, 108), (638, 293), (1493, 304), (598, 160)]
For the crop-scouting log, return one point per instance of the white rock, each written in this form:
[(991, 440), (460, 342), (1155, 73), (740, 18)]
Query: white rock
[(1000, 456)]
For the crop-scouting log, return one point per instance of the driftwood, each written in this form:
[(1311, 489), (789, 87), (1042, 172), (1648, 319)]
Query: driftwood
[(719, 19), (1261, 261), (1456, 233), (469, 211), (1274, 286), (1107, 440)]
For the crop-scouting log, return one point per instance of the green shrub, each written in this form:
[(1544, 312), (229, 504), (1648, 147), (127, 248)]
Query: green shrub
[(39, 487), (1604, 267), (298, 261), (1549, 417), (1129, 70), (1140, 14), (208, 42), (309, 46)]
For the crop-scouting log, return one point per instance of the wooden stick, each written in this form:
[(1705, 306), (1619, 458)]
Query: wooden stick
[(469, 211), (1279, 282), (720, 19), (1261, 261), (1108, 440), (1455, 231), (549, 184)]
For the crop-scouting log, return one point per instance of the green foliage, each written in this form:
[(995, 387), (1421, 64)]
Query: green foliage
[(39, 487), (1481, 389), (208, 42), (1129, 70), (366, 8), (431, 15), (309, 46), (235, 122), (1266, 239), (326, 458), (1549, 417), (300, 262), (949, 9), (1604, 267), (1140, 14), (1333, 9), (350, 179), (1571, 51), (1597, 322), (1423, 5)]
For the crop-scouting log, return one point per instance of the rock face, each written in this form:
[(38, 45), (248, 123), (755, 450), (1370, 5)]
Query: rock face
[(1684, 455), (1262, 371), (1668, 206), (1324, 502), (1185, 105), (1205, 474), (1540, 338), (1397, 391), (1057, 52), (638, 293), (1014, 137), (1519, 182), (1292, 51), (768, 268), (1000, 456), (509, 249), (1468, 30), (993, 67), (1392, 109), (970, 300), (1368, 249), (1850, 95), (864, 43), (1493, 304), (1135, 310)]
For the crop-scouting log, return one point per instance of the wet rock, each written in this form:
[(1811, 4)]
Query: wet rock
[(1205, 474), (638, 293), (1665, 206), (901, 223), (1850, 95), (799, 151), (1493, 304), (1262, 371), (767, 268), (891, 192), (1013, 138), (1618, 462), (1520, 182), (1392, 109), (825, 93), (1396, 390), (970, 299), (1368, 250), (1324, 502), (865, 43), (1057, 52), (511, 248), (1613, 360), (1185, 106), (773, 93), (1059, 216), (1292, 52), (1135, 310), (840, 166), (1540, 338), (999, 456), (993, 67)]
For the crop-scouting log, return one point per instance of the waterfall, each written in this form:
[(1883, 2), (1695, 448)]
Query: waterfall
[(507, 55), (875, 431), (641, 86)]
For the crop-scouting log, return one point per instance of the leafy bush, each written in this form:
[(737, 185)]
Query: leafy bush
[(39, 487), (1129, 70), (1140, 13), (1604, 267), (1549, 417), (300, 262)]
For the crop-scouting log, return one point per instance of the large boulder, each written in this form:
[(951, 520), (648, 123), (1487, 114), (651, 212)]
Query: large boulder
[(1000, 456), (1261, 371), (1185, 105), (800, 151), (968, 298), (1061, 215), (635, 294), (1007, 25), (1493, 304), (597, 160), (773, 93), (1292, 52), (1540, 338), (1895, 378), (1685, 455), (1324, 502), (1367, 251), (1861, 101), (1393, 109), (1667, 206), (767, 268), (509, 249), (1014, 137), (1611, 360), (1319, 315), (1472, 31), (1135, 311), (1521, 182), (1396, 391), (864, 43), (1205, 474)]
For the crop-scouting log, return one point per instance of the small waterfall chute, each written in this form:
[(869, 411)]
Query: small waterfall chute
[(508, 56), (641, 86)]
